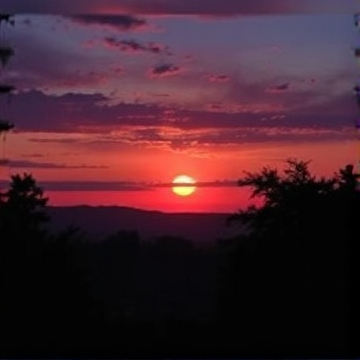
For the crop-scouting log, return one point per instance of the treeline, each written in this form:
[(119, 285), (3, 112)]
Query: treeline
[(283, 289)]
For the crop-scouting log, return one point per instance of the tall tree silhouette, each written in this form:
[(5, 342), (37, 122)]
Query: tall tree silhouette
[(45, 301)]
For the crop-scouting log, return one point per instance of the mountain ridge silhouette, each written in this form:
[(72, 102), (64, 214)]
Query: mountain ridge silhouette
[(105, 220)]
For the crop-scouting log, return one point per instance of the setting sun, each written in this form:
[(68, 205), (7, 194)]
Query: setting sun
[(182, 185)]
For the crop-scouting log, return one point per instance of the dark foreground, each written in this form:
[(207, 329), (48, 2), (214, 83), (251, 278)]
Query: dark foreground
[(285, 289)]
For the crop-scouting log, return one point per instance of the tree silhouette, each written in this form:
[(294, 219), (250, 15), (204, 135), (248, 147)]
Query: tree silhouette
[(46, 302), (289, 199), (22, 207), (290, 271)]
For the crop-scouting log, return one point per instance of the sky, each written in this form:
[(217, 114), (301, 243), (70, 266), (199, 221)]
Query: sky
[(114, 103)]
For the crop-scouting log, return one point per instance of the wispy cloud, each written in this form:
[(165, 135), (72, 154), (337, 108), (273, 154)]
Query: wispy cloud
[(134, 46), (164, 70), (120, 185), (90, 113), (278, 88), (21, 164), (89, 186), (202, 184), (33, 155), (222, 78), (117, 22)]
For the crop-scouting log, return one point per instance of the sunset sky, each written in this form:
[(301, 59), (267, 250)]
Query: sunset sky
[(118, 105)]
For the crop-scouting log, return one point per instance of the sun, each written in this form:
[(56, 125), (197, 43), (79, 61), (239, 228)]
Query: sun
[(182, 185)]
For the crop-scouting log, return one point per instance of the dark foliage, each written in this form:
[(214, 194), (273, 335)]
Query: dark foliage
[(288, 280), (280, 290)]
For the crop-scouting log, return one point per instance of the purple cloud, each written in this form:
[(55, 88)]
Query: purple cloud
[(164, 70), (134, 46), (36, 111), (118, 22), (71, 113), (278, 89), (210, 7), (177, 129)]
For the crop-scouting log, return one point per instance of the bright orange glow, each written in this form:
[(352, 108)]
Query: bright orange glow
[(183, 190)]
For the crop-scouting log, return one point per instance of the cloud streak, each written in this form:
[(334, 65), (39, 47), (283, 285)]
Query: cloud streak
[(120, 185), (133, 46), (165, 70), (218, 78), (278, 89), (20, 164), (117, 22), (81, 113), (89, 186)]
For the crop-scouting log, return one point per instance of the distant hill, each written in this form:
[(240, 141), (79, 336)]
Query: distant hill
[(106, 220)]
